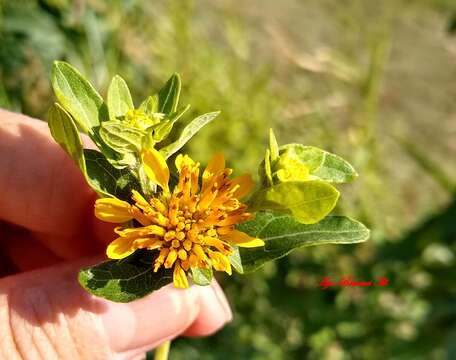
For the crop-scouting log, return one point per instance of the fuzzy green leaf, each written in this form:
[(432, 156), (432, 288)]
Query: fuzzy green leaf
[(150, 105), (119, 98), (282, 234), (273, 146), (121, 137), (264, 170), (190, 130), (168, 96), (65, 133), (235, 260), (320, 163), (106, 179), (125, 280), (202, 277), (76, 95), (162, 130), (307, 201)]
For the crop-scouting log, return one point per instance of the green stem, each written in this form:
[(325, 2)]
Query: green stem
[(161, 352)]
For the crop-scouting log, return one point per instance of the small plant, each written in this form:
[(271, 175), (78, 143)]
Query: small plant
[(177, 222)]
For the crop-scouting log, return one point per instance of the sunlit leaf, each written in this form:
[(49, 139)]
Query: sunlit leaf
[(320, 163), (273, 146), (162, 130), (264, 170), (150, 105), (235, 260), (76, 95), (307, 201), (121, 137), (187, 133), (119, 98), (65, 133), (202, 277), (125, 280), (168, 96), (282, 234), (106, 179)]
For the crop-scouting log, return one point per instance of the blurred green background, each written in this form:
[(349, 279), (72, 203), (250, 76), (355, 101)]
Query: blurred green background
[(373, 81)]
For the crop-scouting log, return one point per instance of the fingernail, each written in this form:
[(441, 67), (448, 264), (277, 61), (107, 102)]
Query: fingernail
[(214, 311), (222, 300), (162, 315)]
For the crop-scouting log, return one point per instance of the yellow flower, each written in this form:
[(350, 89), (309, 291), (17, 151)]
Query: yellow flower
[(191, 227)]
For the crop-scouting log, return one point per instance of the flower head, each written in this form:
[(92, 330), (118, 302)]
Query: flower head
[(192, 226)]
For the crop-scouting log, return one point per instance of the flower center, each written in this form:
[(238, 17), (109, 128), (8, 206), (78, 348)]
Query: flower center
[(191, 227), (191, 233)]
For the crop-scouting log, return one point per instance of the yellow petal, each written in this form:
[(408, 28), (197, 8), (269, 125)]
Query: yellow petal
[(140, 216), (112, 210), (245, 185), (120, 248), (139, 199), (220, 245), (130, 232), (140, 231), (179, 277), (235, 218), (216, 164), (220, 262), (155, 167), (161, 258), (147, 243), (241, 239), (183, 160), (255, 242), (155, 230), (171, 258)]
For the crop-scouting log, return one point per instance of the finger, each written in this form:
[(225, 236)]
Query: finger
[(103, 231), (212, 300), (26, 253), (6, 265), (214, 312), (42, 189), (51, 317)]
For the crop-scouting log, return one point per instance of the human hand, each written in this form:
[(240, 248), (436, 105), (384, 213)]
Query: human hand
[(47, 232)]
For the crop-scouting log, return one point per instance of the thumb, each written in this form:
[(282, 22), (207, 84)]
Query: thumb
[(46, 314)]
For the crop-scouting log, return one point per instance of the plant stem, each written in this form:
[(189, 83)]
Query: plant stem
[(161, 352)]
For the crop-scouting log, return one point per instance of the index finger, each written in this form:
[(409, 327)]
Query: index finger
[(42, 189)]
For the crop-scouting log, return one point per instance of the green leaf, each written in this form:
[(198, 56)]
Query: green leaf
[(106, 179), (150, 105), (273, 146), (121, 137), (162, 130), (282, 234), (148, 187), (320, 163), (119, 98), (264, 170), (307, 201), (235, 260), (125, 280), (202, 277), (190, 130), (65, 133), (110, 154), (101, 176), (168, 96), (76, 95)]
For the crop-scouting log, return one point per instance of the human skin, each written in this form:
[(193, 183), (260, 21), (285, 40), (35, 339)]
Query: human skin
[(47, 232)]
